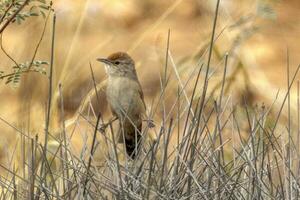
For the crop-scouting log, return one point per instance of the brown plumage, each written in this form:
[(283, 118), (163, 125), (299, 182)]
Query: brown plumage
[(125, 97)]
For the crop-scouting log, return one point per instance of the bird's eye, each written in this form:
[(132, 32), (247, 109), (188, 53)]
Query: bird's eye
[(117, 62)]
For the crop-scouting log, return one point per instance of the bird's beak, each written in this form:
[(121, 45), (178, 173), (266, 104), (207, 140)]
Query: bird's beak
[(104, 60)]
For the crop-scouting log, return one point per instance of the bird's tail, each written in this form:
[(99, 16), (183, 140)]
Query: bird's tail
[(132, 140)]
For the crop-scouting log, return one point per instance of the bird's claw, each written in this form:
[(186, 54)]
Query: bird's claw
[(150, 123), (103, 128)]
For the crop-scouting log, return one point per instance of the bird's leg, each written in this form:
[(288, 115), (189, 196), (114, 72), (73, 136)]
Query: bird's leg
[(105, 125)]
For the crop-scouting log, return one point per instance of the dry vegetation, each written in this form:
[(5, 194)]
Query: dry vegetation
[(222, 129)]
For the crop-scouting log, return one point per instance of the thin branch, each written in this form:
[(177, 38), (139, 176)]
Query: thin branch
[(13, 16)]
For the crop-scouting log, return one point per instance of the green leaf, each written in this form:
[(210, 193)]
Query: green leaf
[(44, 7), (42, 1), (43, 14), (45, 63), (34, 14), (266, 11), (19, 20)]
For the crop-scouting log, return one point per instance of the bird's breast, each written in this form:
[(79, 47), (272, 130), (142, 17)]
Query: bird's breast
[(123, 96)]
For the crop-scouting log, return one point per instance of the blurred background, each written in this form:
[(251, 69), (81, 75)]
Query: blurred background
[(256, 34)]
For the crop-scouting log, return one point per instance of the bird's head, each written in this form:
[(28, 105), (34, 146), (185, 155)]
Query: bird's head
[(118, 64)]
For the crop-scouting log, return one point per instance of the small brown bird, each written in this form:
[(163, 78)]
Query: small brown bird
[(126, 99)]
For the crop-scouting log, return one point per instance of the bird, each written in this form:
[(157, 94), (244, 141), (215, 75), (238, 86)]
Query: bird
[(126, 99)]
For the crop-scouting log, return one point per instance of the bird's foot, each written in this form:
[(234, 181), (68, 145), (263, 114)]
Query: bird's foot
[(150, 123), (105, 125)]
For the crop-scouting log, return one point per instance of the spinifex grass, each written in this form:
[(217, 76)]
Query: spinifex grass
[(204, 148), (233, 152)]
